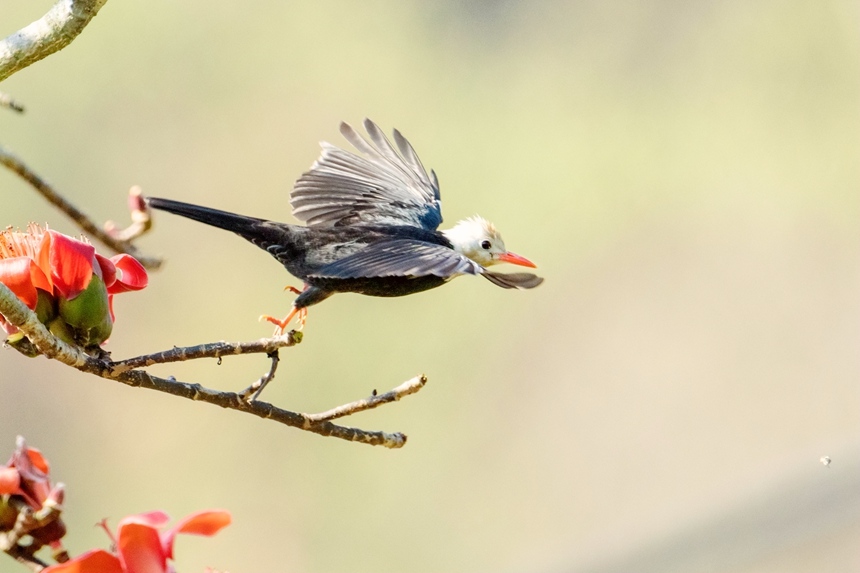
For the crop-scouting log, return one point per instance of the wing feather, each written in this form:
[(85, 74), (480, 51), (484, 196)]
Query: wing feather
[(411, 258), (378, 187), (401, 258), (513, 280)]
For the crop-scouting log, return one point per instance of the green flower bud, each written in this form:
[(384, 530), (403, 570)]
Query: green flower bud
[(46, 306), (89, 308), (61, 330), (88, 314)]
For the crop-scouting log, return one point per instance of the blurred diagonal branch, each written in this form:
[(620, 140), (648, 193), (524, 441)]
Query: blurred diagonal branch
[(128, 372), (50, 33), (23, 556), (117, 240)]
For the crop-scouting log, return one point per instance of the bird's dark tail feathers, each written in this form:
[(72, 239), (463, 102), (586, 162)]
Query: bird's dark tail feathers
[(278, 239), (239, 224)]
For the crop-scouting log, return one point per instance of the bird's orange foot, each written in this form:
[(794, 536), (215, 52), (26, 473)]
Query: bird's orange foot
[(292, 289), (281, 325)]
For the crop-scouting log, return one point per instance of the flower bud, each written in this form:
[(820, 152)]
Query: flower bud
[(88, 314)]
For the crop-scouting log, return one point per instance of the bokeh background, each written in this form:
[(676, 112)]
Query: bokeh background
[(686, 176)]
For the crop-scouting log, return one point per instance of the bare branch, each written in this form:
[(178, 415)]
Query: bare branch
[(17, 314), (47, 191), (209, 350), (376, 400), (50, 33), (257, 387), (141, 218)]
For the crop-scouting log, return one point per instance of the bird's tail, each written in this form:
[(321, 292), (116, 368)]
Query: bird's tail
[(230, 221), (278, 239)]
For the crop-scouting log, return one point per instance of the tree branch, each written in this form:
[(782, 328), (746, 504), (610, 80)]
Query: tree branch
[(374, 401), (50, 33), (208, 350), (127, 372), (118, 241), (257, 387)]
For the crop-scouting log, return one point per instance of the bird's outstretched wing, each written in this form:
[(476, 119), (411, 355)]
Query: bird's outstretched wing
[(400, 258), (379, 187), (410, 258)]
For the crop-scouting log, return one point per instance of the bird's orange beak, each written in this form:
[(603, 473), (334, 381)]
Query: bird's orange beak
[(510, 257)]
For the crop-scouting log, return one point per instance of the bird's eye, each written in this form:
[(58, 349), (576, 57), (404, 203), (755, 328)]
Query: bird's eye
[(486, 245)]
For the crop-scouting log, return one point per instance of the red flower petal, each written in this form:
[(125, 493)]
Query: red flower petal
[(10, 481), (130, 274), (139, 548), (201, 523), (35, 484), (95, 561), (108, 269), (23, 276), (154, 519), (38, 460), (71, 263)]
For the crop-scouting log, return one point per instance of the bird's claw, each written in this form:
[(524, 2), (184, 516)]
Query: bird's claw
[(281, 325)]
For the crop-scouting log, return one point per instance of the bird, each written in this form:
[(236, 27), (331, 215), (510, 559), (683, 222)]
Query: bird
[(371, 227)]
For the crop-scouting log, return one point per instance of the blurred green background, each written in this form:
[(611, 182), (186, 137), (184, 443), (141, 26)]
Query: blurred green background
[(686, 176)]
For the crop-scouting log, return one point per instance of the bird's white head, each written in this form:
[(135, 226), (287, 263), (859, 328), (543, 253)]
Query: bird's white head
[(477, 239)]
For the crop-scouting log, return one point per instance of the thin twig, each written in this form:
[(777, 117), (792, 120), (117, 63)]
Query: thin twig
[(208, 350), (7, 101), (50, 33), (374, 401), (17, 314), (47, 191), (257, 387), (141, 218)]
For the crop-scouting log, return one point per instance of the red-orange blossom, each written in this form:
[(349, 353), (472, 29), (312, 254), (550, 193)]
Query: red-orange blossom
[(66, 282)]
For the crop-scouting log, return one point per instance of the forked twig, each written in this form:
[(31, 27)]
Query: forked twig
[(257, 387), (128, 372)]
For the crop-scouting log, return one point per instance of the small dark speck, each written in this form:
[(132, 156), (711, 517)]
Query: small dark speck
[(374, 392), (219, 361)]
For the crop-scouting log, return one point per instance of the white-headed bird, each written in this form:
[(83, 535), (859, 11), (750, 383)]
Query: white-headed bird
[(372, 224)]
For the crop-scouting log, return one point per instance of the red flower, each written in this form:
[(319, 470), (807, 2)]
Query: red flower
[(66, 282), (139, 545), (26, 477)]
